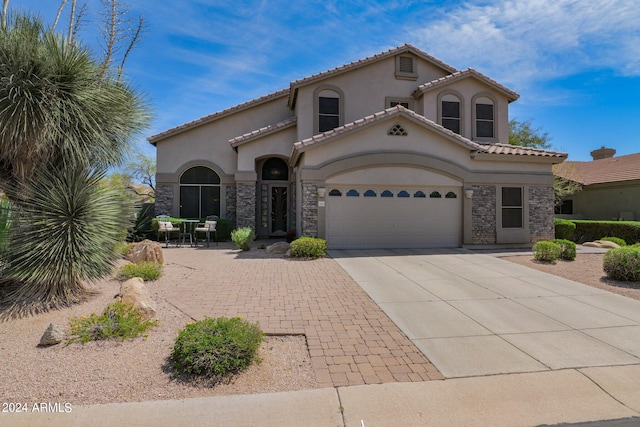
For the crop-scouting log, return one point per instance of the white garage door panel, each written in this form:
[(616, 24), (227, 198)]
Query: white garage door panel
[(394, 222)]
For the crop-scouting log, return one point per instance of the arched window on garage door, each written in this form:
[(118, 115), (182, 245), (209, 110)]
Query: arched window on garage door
[(199, 193)]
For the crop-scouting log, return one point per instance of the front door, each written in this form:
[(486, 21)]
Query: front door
[(278, 210)]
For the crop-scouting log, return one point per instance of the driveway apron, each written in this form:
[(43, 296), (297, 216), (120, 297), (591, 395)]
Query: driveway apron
[(474, 314)]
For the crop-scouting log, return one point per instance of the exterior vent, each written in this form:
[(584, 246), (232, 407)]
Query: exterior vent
[(406, 64), (397, 130)]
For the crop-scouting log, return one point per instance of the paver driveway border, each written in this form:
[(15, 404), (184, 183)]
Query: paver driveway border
[(351, 340)]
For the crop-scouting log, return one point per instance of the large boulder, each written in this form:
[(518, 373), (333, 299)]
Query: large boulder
[(278, 248), (134, 293), (52, 336), (601, 244), (147, 250)]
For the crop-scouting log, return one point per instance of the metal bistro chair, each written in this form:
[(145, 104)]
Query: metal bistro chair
[(207, 227), (167, 228)]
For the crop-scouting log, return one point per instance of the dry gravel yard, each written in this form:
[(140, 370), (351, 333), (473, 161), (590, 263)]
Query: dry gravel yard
[(137, 370)]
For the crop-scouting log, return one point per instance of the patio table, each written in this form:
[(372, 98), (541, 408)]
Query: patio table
[(188, 226)]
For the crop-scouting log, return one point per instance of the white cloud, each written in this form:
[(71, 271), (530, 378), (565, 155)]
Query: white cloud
[(522, 42)]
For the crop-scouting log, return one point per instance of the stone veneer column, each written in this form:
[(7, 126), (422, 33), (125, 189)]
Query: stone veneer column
[(164, 200), (246, 205), (231, 194), (310, 210), (541, 213), (483, 215)]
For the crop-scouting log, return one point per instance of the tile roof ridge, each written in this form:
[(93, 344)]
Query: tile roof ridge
[(263, 130)]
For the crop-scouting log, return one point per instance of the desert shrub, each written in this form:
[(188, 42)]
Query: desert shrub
[(622, 264), (243, 237), (564, 228), (142, 226), (618, 241), (147, 270), (308, 247), (587, 231), (117, 321), (216, 347), (123, 248), (546, 251), (567, 249)]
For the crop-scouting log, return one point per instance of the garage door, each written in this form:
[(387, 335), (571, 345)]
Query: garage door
[(384, 217)]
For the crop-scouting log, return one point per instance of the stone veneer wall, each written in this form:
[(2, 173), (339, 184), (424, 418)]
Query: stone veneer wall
[(310, 210), (164, 200), (231, 194), (541, 213), (246, 205), (483, 215)]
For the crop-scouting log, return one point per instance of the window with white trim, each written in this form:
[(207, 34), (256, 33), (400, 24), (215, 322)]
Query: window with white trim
[(484, 118), (451, 114)]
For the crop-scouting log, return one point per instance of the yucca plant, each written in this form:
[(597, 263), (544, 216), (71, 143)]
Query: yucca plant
[(65, 236), (5, 223)]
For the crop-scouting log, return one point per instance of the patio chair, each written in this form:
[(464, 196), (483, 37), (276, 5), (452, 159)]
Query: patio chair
[(167, 228), (206, 227)]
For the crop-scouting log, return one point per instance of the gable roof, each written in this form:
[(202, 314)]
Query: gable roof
[(459, 75), (489, 150), (609, 170), (211, 117), (250, 136), (406, 48)]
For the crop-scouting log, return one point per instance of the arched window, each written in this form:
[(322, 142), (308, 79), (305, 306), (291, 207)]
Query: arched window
[(484, 117), (199, 193), (335, 193), (369, 193), (329, 105), (386, 193), (275, 169), (419, 194), (403, 193), (353, 193), (451, 113), (435, 195), (450, 195)]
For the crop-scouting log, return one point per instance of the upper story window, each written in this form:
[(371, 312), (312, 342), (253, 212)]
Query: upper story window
[(406, 67), (450, 111), (484, 110), (329, 109)]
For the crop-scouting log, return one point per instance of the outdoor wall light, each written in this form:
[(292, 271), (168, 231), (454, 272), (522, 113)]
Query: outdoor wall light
[(321, 192), (468, 193)]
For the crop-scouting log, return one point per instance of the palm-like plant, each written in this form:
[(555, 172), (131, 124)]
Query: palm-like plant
[(66, 236)]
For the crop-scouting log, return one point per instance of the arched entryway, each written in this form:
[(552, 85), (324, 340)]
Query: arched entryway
[(274, 197), (199, 193)]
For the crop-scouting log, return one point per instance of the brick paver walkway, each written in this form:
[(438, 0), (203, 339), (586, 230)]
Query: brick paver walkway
[(351, 340)]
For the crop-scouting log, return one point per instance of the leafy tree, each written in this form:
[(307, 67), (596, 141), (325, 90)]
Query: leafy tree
[(525, 135), (142, 168)]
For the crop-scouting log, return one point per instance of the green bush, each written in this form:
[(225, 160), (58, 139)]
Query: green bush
[(142, 226), (588, 231), (546, 251), (243, 237), (567, 249), (123, 248), (308, 247), (224, 227), (216, 347), (618, 241), (117, 321), (147, 270), (564, 228), (622, 264)]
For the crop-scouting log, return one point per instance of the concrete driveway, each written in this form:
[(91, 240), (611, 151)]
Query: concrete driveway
[(474, 314)]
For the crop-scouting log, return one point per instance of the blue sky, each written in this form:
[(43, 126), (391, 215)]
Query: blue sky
[(575, 63)]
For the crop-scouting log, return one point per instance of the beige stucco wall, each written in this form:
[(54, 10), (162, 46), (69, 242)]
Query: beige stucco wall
[(364, 91), (606, 202), (211, 141), (276, 144), (466, 90)]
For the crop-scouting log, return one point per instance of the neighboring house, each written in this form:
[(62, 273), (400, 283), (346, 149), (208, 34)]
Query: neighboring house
[(395, 150), (610, 187)]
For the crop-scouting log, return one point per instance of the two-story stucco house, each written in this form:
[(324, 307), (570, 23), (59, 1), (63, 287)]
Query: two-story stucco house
[(395, 150)]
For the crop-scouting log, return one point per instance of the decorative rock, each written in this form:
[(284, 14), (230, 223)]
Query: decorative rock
[(52, 336), (146, 250), (278, 248), (606, 244), (133, 292), (591, 244)]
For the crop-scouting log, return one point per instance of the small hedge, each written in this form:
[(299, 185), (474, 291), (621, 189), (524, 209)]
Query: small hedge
[(308, 247), (118, 321), (216, 347), (622, 264), (564, 228), (588, 231), (546, 251), (146, 270), (567, 249)]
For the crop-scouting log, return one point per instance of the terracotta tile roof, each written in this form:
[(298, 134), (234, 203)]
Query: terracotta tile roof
[(612, 169), (459, 75), (488, 149), (365, 61), (211, 117), (250, 136)]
